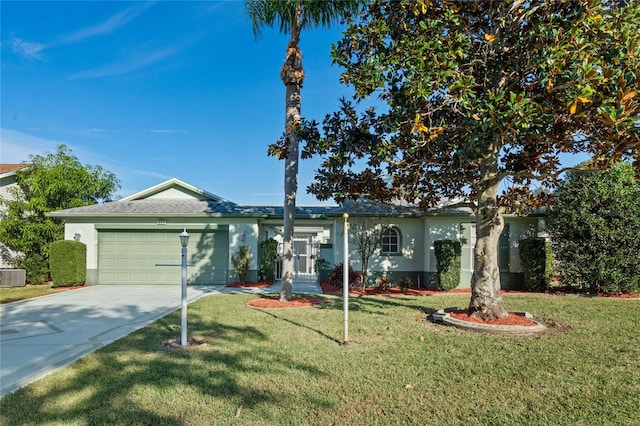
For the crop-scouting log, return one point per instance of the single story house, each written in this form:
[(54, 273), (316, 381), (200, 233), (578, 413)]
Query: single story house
[(135, 240)]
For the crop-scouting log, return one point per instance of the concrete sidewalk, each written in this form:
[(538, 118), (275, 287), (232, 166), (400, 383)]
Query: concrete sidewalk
[(299, 287), (39, 336)]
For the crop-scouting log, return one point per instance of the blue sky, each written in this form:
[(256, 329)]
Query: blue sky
[(155, 90)]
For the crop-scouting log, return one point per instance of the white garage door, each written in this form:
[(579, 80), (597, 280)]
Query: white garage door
[(133, 257)]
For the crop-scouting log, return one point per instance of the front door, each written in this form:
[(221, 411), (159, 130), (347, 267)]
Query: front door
[(303, 259)]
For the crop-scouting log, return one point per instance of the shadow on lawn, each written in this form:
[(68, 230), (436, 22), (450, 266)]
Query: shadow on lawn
[(297, 324), (129, 381), (377, 304), (371, 305)]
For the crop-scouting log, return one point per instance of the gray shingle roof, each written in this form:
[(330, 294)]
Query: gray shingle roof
[(182, 207), (193, 208)]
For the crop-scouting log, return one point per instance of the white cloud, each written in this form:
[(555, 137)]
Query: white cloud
[(34, 50), (27, 49), (16, 146), (153, 174), (168, 131), (106, 27), (121, 67)]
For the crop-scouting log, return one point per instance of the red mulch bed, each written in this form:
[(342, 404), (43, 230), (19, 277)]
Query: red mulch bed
[(259, 284), (511, 319), (618, 295), (563, 291), (376, 291), (396, 291), (274, 302), (73, 287)]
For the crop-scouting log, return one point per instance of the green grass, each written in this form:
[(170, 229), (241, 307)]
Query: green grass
[(29, 291), (266, 367)]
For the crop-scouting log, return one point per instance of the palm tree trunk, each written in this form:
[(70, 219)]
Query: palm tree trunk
[(292, 76), (290, 191)]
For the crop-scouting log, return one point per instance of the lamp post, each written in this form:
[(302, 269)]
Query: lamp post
[(345, 279), (184, 241)]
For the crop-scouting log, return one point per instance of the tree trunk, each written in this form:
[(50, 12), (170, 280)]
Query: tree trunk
[(292, 76), (365, 269), (486, 298)]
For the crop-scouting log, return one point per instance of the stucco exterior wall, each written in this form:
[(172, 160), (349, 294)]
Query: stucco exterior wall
[(520, 227), (244, 232), (408, 263), (416, 259), (241, 232)]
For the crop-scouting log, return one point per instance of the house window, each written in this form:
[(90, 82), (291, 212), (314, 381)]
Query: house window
[(391, 241)]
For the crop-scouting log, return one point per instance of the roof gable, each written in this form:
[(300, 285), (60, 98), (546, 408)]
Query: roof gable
[(174, 189)]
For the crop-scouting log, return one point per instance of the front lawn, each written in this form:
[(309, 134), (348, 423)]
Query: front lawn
[(265, 367), (29, 291)]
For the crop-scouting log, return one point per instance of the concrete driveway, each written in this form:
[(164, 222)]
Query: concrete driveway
[(39, 336)]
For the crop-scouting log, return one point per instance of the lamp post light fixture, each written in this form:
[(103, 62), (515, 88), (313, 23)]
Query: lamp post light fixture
[(184, 241), (345, 279), (184, 238)]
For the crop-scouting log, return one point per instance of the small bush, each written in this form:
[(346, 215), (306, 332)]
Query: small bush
[(384, 283), (36, 266), (405, 284), (448, 256), (268, 258), (68, 263), (335, 277), (537, 263), (240, 262)]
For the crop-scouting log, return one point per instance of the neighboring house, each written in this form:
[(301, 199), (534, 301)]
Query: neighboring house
[(135, 240), (7, 183)]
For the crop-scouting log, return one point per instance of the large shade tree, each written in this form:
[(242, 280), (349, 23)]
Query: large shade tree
[(481, 99), (291, 17), (53, 181)]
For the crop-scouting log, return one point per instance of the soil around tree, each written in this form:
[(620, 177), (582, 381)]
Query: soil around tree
[(192, 343), (510, 319)]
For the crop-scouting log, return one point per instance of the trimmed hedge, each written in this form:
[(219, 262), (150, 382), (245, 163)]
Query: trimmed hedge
[(537, 263), (594, 226), (268, 258), (68, 263), (449, 257)]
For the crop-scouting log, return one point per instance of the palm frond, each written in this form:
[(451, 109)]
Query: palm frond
[(314, 13)]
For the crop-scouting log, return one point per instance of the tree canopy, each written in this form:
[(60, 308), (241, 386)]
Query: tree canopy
[(481, 99), (53, 181)]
